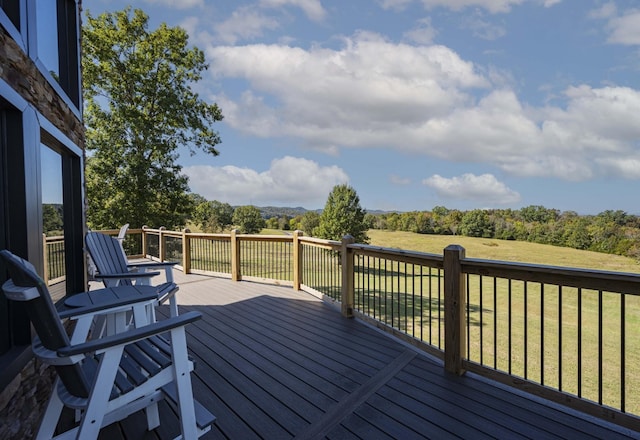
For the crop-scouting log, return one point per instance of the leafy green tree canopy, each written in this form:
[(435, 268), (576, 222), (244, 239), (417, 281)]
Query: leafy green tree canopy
[(52, 223), (343, 215), (477, 223), (139, 108), (213, 216), (248, 219), (309, 222)]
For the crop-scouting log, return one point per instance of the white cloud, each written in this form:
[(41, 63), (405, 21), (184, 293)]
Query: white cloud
[(398, 180), (607, 10), (627, 168), (483, 189), (372, 93), (397, 5), (312, 8), (178, 4), (484, 29), (625, 29), (423, 33), (493, 6), (351, 96), (289, 180), (245, 23)]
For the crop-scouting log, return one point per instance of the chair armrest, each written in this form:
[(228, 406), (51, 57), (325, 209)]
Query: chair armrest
[(152, 264), (129, 275), (143, 267), (99, 309), (130, 336)]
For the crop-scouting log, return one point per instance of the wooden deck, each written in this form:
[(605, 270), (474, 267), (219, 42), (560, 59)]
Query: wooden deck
[(273, 363)]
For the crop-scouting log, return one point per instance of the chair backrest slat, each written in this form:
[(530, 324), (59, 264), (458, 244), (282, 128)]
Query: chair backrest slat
[(107, 255), (44, 318)]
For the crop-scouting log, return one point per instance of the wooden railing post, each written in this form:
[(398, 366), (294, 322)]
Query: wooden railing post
[(162, 251), (186, 251), (347, 277), (235, 256), (144, 249), (454, 310), (45, 255), (297, 259)]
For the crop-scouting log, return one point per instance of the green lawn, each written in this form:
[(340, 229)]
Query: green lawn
[(505, 250)]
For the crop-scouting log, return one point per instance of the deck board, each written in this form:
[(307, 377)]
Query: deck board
[(273, 363)]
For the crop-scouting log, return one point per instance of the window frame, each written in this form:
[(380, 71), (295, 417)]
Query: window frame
[(68, 86), (16, 341), (25, 225), (19, 34), (72, 200)]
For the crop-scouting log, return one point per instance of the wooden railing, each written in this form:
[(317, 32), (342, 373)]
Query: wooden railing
[(54, 261), (569, 335)]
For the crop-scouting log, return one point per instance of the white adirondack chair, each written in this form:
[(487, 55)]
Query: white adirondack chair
[(94, 377)]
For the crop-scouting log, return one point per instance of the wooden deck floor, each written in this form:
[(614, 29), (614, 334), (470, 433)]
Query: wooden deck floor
[(273, 363)]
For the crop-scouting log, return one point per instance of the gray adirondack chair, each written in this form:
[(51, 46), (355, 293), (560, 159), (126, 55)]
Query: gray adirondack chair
[(107, 379), (114, 269)]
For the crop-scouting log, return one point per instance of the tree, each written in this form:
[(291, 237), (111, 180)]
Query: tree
[(476, 223), (213, 216), (272, 223), (52, 219), (139, 108), (248, 219), (537, 213), (309, 222), (343, 215)]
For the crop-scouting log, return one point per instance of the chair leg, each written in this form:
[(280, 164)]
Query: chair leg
[(100, 393), (153, 416), (173, 306), (51, 414), (182, 376)]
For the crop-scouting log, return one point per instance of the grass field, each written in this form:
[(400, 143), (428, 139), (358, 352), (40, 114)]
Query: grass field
[(505, 250)]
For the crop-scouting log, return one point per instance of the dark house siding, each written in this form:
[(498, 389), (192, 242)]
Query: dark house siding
[(37, 107)]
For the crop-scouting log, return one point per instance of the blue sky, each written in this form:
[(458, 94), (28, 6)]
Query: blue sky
[(417, 103)]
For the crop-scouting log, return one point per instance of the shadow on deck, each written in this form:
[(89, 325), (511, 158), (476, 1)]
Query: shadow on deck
[(273, 363)]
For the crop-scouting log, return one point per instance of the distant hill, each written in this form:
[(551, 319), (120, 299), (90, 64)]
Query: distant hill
[(279, 211)]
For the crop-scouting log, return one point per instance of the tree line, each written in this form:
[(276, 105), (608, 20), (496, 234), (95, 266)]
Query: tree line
[(613, 232)]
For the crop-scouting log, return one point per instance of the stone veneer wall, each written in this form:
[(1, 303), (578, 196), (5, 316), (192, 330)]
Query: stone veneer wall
[(23, 400), (19, 71)]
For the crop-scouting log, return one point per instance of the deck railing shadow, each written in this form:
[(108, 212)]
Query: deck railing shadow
[(284, 365)]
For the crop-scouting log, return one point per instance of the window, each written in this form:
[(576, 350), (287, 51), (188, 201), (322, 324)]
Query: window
[(53, 221), (12, 9), (54, 46), (47, 31), (62, 213), (13, 20)]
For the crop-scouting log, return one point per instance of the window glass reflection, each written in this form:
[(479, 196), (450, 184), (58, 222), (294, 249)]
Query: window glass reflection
[(12, 9), (47, 29), (53, 221)]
